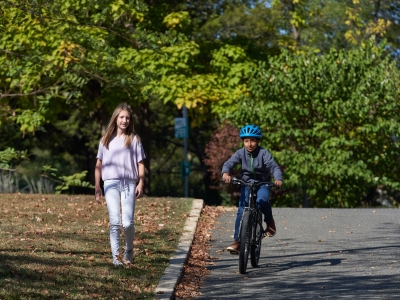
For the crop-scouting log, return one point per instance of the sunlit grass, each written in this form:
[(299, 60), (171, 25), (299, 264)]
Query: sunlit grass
[(57, 246)]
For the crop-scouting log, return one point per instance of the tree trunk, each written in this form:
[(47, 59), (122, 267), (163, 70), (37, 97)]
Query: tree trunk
[(141, 118)]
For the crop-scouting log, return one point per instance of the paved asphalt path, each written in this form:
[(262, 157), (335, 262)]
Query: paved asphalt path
[(316, 254)]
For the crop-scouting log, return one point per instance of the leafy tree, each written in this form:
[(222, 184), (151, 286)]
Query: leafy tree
[(321, 25), (66, 64), (264, 27), (331, 120), (223, 143)]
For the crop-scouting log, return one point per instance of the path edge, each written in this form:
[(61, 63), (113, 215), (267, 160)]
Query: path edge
[(174, 271)]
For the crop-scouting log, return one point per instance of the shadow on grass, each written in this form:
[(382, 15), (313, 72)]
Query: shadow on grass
[(66, 253), (44, 270)]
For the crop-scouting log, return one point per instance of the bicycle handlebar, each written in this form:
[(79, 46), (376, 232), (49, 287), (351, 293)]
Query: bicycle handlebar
[(253, 184)]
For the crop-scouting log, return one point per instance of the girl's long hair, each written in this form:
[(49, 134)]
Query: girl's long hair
[(112, 127)]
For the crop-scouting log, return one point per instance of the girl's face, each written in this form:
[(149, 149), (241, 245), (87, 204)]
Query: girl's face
[(123, 120), (250, 144)]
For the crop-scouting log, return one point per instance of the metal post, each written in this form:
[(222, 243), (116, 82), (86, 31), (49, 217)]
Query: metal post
[(185, 155)]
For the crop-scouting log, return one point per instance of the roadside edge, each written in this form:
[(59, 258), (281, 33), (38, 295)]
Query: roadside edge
[(173, 273)]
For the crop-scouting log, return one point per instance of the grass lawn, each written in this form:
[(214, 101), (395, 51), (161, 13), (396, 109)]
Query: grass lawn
[(57, 247)]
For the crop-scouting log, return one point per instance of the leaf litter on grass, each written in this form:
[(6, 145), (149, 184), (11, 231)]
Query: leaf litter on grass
[(57, 246)]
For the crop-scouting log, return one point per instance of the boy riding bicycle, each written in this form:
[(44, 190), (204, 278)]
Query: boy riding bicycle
[(257, 164)]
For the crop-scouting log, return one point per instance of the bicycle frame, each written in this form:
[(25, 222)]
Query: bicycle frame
[(253, 213), (252, 207), (251, 223)]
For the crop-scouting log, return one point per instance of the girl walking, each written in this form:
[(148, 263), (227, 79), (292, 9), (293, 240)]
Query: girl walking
[(120, 165)]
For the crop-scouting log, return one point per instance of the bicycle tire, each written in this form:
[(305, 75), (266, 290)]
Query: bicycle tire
[(245, 236), (255, 248)]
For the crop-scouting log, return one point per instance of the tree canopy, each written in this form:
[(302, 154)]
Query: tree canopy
[(65, 65), (331, 120)]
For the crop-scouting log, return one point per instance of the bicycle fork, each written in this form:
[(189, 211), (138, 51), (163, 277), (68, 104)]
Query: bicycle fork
[(241, 222)]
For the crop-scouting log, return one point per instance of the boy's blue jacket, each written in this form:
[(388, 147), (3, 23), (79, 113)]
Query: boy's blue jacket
[(261, 169)]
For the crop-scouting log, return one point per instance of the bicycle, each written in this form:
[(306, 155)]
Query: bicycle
[(251, 230)]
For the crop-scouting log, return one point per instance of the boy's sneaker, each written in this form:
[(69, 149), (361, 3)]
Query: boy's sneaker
[(234, 248), (271, 229), (128, 256)]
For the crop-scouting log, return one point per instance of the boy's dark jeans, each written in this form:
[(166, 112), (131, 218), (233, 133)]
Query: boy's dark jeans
[(262, 202)]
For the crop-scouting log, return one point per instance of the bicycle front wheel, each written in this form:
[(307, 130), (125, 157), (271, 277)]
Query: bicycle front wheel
[(255, 249), (245, 236)]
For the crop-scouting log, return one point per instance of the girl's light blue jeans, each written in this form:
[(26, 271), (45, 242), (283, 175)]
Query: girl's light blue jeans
[(120, 193)]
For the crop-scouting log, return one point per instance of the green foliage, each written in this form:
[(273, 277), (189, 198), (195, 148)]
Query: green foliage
[(54, 55), (11, 161), (330, 120), (65, 65), (73, 180), (177, 19), (52, 49), (10, 155), (29, 121), (267, 26)]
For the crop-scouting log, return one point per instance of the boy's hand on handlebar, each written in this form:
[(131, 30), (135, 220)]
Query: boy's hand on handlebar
[(226, 178), (278, 183)]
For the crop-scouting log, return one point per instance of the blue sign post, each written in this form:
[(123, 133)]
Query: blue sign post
[(185, 169)]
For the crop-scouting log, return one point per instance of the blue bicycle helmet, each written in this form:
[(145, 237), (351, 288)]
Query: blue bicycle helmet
[(250, 130)]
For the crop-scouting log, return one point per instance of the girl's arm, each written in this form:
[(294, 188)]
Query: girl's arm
[(97, 177), (139, 186)]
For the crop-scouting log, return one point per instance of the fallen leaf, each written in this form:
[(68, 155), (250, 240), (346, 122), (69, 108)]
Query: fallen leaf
[(196, 267)]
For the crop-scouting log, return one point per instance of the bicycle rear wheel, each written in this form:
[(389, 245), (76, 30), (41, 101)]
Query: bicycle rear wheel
[(245, 236), (255, 248)]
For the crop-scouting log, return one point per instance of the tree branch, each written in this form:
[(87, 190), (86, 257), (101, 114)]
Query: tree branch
[(30, 173), (28, 94), (12, 53)]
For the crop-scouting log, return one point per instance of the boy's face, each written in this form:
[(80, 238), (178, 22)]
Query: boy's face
[(250, 144)]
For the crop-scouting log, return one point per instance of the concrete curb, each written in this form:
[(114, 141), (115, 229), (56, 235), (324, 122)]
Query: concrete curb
[(173, 273)]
